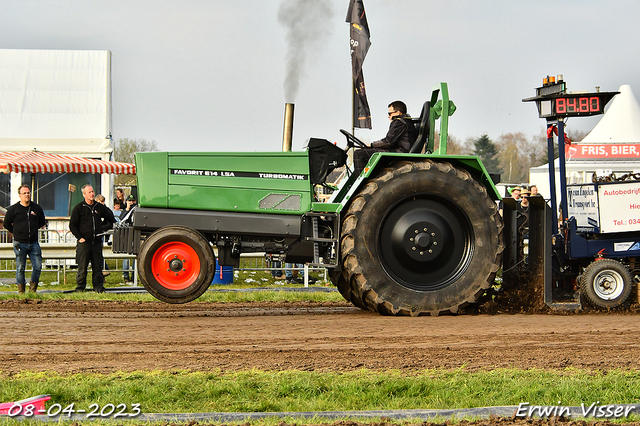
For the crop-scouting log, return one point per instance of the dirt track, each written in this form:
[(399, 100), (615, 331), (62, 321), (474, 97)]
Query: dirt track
[(72, 336)]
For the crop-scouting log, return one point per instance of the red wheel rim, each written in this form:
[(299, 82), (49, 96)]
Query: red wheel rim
[(175, 265)]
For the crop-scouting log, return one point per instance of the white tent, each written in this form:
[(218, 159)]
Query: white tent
[(613, 146), (59, 102), (620, 123)]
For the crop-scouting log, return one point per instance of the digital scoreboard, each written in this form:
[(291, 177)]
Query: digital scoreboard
[(553, 101)]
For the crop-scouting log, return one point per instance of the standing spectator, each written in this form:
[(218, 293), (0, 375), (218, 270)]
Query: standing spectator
[(515, 193), (292, 276), (117, 211), (89, 219), (119, 200), (534, 190), (523, 209), (129, 207), (101, 199), (23, 219), (276, 272), (127, 218)]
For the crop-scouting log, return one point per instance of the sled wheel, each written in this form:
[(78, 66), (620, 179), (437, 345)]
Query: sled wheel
[(606, 283), (420, 238), (176, 264)]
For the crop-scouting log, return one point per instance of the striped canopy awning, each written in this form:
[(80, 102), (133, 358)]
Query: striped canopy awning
[(42, 162)]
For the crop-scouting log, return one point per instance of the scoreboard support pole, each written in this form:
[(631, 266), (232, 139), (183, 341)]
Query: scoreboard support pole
[(563, 171), (552, 176)]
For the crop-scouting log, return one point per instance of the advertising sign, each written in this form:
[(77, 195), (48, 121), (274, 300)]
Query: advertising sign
[(608, 151), (619, 207), (583, 205)]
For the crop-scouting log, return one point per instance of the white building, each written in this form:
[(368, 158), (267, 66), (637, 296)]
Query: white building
[(59, 102)]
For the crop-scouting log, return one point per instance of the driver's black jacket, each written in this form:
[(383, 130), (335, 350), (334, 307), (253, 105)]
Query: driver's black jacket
[(400, 137)]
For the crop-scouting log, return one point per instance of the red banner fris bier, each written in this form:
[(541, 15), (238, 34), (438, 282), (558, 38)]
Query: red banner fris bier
[(577, 151)]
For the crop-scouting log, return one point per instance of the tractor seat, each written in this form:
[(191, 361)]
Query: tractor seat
[(422, 125)]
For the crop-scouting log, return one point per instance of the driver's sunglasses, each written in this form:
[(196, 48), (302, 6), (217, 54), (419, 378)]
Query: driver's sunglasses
[(392, 112)]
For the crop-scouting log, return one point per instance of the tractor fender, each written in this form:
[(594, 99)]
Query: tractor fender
[(380, 160)]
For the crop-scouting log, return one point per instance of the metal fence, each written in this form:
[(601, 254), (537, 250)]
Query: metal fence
[(58, 254), (46, 236)]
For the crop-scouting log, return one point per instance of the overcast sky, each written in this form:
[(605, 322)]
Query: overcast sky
[(209, 75)]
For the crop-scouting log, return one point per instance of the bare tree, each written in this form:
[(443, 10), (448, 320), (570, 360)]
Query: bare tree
[(126, 148), (541, 155), (455, 147), (515, 155), (124, 152)]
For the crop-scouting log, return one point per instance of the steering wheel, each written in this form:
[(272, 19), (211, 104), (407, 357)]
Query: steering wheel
[(352, 140)]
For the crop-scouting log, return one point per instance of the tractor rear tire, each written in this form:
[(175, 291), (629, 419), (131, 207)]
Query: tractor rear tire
[(337, 278), (606, 283), (420, 238), (176, 264)]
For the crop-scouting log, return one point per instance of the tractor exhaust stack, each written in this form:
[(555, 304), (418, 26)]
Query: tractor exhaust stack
[(287, 134)]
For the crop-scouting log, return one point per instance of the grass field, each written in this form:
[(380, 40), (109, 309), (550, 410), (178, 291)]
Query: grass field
[(295, 391)]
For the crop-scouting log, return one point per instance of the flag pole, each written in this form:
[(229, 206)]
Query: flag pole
[(353, 107)]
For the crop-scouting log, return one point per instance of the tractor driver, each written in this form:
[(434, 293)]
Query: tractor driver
[(400, 137)]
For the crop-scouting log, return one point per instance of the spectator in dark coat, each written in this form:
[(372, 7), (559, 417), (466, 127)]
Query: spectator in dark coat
[(23, 219), (89, 220)]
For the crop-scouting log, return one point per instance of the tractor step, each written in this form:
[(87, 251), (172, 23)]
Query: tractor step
[(322, 240), (317, 240)]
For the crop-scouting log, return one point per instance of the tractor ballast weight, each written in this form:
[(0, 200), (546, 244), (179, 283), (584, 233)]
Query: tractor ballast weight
[(412, 234)]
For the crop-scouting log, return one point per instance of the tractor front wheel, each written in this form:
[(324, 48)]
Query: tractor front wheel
[(176, 264)]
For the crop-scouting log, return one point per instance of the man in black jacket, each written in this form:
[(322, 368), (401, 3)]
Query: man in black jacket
[(400, 137), (89, 219), (23, 219)]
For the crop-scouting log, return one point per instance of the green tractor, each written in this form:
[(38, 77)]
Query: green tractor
[(413, 234)]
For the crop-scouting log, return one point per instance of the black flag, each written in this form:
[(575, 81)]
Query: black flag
[(360, 44)]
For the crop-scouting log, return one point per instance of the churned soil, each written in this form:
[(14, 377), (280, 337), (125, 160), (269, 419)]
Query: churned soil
[(108, 336)]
